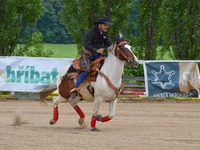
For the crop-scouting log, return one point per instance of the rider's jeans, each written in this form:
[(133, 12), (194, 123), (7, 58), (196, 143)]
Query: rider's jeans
[(80, 78), (83, 75)]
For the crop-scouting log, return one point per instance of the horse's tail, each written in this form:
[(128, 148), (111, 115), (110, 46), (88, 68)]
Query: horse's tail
[(47, 91)]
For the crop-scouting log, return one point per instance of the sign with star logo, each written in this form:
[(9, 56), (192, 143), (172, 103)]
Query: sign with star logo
[(172, 79)]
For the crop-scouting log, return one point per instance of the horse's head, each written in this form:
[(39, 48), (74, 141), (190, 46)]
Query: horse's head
[(123, 51)]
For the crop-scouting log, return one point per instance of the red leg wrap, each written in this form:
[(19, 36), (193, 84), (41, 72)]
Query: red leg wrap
[(93, 121), (55, 113), (79, 111), (105, 118)]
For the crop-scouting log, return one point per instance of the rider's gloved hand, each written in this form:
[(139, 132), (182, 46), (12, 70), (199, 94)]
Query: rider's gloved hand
[(110, 48), (100, 50)]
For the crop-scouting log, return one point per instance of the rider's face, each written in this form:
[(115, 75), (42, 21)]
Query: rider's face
[(103, 27)]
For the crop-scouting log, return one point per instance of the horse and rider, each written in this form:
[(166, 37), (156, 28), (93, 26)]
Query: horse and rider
[(108, 70)]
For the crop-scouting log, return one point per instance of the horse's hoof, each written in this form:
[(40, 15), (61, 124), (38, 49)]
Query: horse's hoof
[(94, 129), (51, 122), (99, 117), (82, 123)]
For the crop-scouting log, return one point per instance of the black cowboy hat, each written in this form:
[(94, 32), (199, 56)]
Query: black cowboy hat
[(103, 20)]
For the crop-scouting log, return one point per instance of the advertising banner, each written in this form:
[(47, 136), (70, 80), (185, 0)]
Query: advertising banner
[(28, 74), (172, 79)]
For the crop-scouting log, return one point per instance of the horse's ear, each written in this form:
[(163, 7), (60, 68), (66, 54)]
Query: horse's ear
[(121, 36)]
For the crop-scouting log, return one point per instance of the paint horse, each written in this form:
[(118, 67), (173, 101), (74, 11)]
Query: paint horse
[(107, 87)]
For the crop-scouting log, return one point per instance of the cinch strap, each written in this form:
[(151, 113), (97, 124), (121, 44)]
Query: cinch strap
[(117, 90)]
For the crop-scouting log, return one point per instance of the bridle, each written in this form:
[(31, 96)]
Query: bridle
[(118, 52)]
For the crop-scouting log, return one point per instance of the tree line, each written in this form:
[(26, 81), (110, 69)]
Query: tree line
[(173, 26)]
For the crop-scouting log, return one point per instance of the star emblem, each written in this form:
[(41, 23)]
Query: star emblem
[(163, 78)]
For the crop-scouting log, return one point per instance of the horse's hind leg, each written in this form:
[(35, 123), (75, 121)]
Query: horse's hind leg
[(81, 114), (79, 111), (55, 115), (56, 101)]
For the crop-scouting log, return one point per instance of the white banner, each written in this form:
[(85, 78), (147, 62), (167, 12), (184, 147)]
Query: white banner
[(27, 74)]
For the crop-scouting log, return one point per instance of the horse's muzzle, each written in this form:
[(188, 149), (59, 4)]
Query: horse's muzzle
[(133, 63)]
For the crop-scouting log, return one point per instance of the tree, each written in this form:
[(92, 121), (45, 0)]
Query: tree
[(50, 24), (14, 15), (80, 15), (181, 29), (148, 24)]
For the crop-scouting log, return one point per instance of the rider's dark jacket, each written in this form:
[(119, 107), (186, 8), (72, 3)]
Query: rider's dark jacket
[(95, 40)]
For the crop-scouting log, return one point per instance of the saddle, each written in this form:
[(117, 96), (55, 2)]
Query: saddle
[(74, 70)]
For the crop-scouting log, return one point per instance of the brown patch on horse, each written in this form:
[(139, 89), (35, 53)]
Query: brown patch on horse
[(66, 86)]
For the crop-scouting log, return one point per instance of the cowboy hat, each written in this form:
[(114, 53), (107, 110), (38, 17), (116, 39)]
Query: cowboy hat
[(103, 20)]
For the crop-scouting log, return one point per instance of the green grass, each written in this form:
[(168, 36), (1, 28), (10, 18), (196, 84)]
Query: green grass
[(166, 56), (71, 51), (62, 50)]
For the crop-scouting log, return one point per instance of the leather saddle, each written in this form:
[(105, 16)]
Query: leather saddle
[(76, 68)]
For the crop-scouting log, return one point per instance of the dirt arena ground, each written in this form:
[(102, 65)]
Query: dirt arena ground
[(136, 126)]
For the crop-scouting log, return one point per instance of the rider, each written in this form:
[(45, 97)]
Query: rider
[(96, 39)]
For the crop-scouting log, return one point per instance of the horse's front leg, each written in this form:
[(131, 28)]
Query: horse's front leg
[(112, 106), (97, 103), (56, 100)]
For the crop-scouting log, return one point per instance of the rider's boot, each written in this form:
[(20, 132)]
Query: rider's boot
[(74, 97), (73, 93)]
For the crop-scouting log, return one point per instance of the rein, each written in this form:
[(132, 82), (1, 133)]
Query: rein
[(117, 90)]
